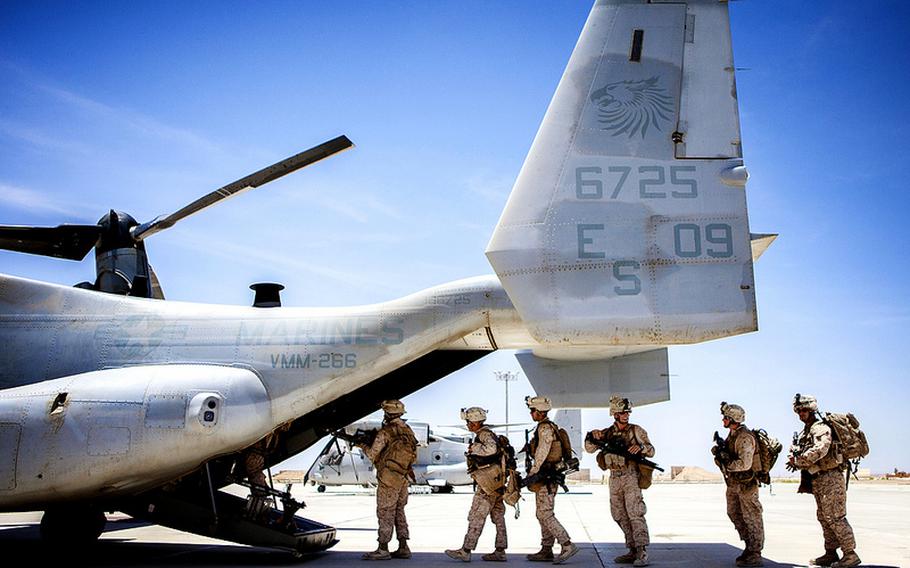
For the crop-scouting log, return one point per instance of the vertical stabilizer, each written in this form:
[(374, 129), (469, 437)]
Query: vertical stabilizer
[(627, 224)]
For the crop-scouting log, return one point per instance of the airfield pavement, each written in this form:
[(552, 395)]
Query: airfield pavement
[(688, 524)]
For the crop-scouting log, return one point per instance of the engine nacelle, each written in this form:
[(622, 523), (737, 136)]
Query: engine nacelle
[(119, 431)]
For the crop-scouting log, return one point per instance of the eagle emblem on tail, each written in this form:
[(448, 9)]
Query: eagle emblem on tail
[(631, 107)]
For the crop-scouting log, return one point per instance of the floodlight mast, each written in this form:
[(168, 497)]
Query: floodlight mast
[(506, 377)]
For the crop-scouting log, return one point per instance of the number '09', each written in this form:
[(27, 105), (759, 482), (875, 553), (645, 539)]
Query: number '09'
[(687, 240)]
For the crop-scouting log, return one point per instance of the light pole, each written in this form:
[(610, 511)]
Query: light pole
[(506, 377)]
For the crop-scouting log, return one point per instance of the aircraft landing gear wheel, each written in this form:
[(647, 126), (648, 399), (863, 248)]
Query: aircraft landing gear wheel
[(446, 489), (72, 525), (321, 489), (435, 489)]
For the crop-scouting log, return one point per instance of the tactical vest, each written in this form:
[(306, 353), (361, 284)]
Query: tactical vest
[(400, 453), (627, 438), (831, 460), (746, 476), (555, 453), (481, 461)]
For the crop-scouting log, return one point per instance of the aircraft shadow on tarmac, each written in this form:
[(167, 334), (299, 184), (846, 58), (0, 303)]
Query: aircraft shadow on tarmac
[(25, 540)]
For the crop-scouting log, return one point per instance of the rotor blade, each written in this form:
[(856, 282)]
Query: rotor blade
[(157, 292), (251, 181), (64, 241), (501, 426)]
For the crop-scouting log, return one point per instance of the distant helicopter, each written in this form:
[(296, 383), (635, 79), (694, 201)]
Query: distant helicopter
[(441, 463)]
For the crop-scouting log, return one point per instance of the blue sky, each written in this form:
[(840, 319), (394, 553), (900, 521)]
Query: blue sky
[(144, 108)]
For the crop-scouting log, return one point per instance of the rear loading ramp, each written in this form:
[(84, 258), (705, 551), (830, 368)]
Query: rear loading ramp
[(228, 520)]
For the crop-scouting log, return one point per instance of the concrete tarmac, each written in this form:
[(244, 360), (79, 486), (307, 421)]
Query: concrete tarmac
[(688, 524)]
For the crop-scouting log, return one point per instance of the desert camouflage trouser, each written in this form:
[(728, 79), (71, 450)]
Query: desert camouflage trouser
[(482, 506), (550, 529), (628, 507), (744, 509), (830, 490), (391, 497), (259, 504)]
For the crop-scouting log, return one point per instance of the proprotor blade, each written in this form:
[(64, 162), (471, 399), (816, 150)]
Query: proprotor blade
[(251, 181), (64, 241)]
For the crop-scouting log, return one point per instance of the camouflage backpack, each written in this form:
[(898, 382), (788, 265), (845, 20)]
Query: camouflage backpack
[(768, 449), (511, 492), (400, 453), (850, 442), (508, 452)]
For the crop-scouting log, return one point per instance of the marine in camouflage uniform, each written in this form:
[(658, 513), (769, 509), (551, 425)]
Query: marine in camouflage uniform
[(547, 451), (627, 506), (392, 492), (815, 455), (258, 505), (485, 466), (738, 463)]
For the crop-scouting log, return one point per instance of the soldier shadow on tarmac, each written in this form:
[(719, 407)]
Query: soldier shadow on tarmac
[(25, 542)]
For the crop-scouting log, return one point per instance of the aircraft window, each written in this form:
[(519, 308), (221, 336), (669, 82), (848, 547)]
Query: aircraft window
[(437, 457), (638, 38)]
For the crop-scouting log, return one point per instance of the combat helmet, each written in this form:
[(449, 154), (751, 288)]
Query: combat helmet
[(473, 414), (734, 412), (393, 407), (619, 404), (539, 403), (807, 401)]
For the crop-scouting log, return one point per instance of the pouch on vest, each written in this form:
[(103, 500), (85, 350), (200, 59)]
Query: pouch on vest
[(645, 474)]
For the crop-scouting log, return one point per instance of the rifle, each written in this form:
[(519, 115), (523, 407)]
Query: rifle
[(794, 451), (721, 451), (805, 478), (555, 474), (475, 461), (526, 450), (610, 447), (359, 438)]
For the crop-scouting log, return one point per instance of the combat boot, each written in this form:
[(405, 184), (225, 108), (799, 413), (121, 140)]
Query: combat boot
[(459, 554), (403, 551), (750, 559), (641, 556), (829, 558), (545, 554), (568, 550), (381, 553), (850, 559), (627, 558), (498, 555)]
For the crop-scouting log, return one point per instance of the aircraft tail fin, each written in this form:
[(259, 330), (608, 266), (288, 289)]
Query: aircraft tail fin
[(760, 243), (570, 419), (627, 224)]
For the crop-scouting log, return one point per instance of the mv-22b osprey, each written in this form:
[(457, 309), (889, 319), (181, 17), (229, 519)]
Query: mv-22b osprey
[(626, 231)]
